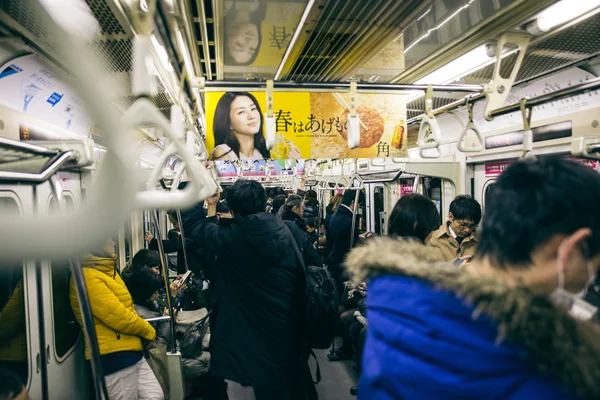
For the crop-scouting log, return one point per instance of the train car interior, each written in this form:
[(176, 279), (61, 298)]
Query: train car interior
[(108, 106)]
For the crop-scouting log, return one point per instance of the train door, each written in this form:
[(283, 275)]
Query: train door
[(67, 369), (376, 208), (485, 175), (20, 336)]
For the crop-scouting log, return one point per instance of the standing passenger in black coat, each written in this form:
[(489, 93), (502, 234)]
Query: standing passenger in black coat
[(339, 236), (255, 339)]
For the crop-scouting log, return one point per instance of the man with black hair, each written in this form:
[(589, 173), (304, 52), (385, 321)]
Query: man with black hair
[(456, 238), (511, 325), (173, 242), (340, 235), (260, 287), (311, 206), (11, 387)]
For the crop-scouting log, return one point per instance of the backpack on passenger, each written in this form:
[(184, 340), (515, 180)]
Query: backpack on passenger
[(321, 311)]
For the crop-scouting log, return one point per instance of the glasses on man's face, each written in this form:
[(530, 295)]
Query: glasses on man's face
[(464, 225)]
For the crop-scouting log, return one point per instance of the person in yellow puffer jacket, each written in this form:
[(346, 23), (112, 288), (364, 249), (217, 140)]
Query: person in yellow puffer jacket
[(119, 329)]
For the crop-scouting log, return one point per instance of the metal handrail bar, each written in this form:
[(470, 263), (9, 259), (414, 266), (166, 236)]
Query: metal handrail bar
[(378, 172), (574, 90), (58, 162), (231, 86), (26, 147), (174, 186), (158, 319), (386, 180), (172, 347)]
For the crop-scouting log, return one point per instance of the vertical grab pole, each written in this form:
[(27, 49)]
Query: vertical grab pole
[(89, 329), (164, 262), (182, 235), (174, 186), (354, 217)]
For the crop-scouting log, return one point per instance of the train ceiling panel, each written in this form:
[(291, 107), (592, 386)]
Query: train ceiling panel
[(569, 46), (341, 37), (370, 40)]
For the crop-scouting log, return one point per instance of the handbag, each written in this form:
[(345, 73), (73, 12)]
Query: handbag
[(191, 345), (156, 356)]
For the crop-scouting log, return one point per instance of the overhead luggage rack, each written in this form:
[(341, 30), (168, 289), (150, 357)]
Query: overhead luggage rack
[(32, 163)]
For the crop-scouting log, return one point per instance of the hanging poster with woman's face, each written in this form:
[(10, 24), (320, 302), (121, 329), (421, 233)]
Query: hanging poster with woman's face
[(258, 32)]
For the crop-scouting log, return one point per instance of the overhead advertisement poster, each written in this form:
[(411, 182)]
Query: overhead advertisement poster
[(29, 86), (308, 126)]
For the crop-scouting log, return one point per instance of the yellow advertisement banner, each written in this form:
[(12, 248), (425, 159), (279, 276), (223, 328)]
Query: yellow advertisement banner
[(308, 125)]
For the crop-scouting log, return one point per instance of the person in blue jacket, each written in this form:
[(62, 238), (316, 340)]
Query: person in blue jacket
[(503, 326)]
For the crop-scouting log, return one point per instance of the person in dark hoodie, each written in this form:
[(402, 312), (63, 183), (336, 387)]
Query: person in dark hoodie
[(255, 339), (311, 206)]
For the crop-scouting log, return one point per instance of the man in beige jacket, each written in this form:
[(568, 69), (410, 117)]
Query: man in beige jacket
[(456, 238)]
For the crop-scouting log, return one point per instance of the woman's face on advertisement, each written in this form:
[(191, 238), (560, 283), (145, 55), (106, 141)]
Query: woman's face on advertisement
[(242, 42), (244, 116)]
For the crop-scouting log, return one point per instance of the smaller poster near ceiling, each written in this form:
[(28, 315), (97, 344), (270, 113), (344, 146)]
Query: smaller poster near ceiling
[(29, 86)]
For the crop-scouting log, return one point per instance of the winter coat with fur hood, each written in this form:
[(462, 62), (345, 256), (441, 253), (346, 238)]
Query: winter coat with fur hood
[(436, 331)]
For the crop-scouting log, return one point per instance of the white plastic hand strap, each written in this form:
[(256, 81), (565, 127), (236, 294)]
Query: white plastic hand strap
[(270, 122), (353, 119), (429, 137), (527, 132), (143, 112), (470, 127)]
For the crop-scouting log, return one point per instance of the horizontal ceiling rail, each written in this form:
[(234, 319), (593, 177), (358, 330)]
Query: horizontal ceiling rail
[(575, 90), (239, 86)]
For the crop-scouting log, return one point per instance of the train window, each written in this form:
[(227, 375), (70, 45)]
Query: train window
[(488, 192), (432, 188), (378, 208), (66, 328), (69, 203), (13, 315)]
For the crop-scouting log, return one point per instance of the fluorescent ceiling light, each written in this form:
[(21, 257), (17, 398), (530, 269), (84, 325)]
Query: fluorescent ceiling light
[(74, 16), (162, 53), (454, 70), (564, 11), (457, 68)]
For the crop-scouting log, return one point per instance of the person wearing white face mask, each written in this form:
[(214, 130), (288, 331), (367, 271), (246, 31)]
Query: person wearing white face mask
[(511, 324)]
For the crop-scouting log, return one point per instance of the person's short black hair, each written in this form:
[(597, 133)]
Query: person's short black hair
[(11, 384), (280, 192), (350, 196), (532, 201), (172, 214), (414, 215), (311, 194), (145, 257), (182, 185), (278, 202), (293, 201), (142, 284), (247, 197), (223, 194), (465, 207)]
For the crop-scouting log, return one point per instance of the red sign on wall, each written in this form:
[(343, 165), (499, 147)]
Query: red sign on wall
[(495, 169), (406, 188), (590, 163)]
